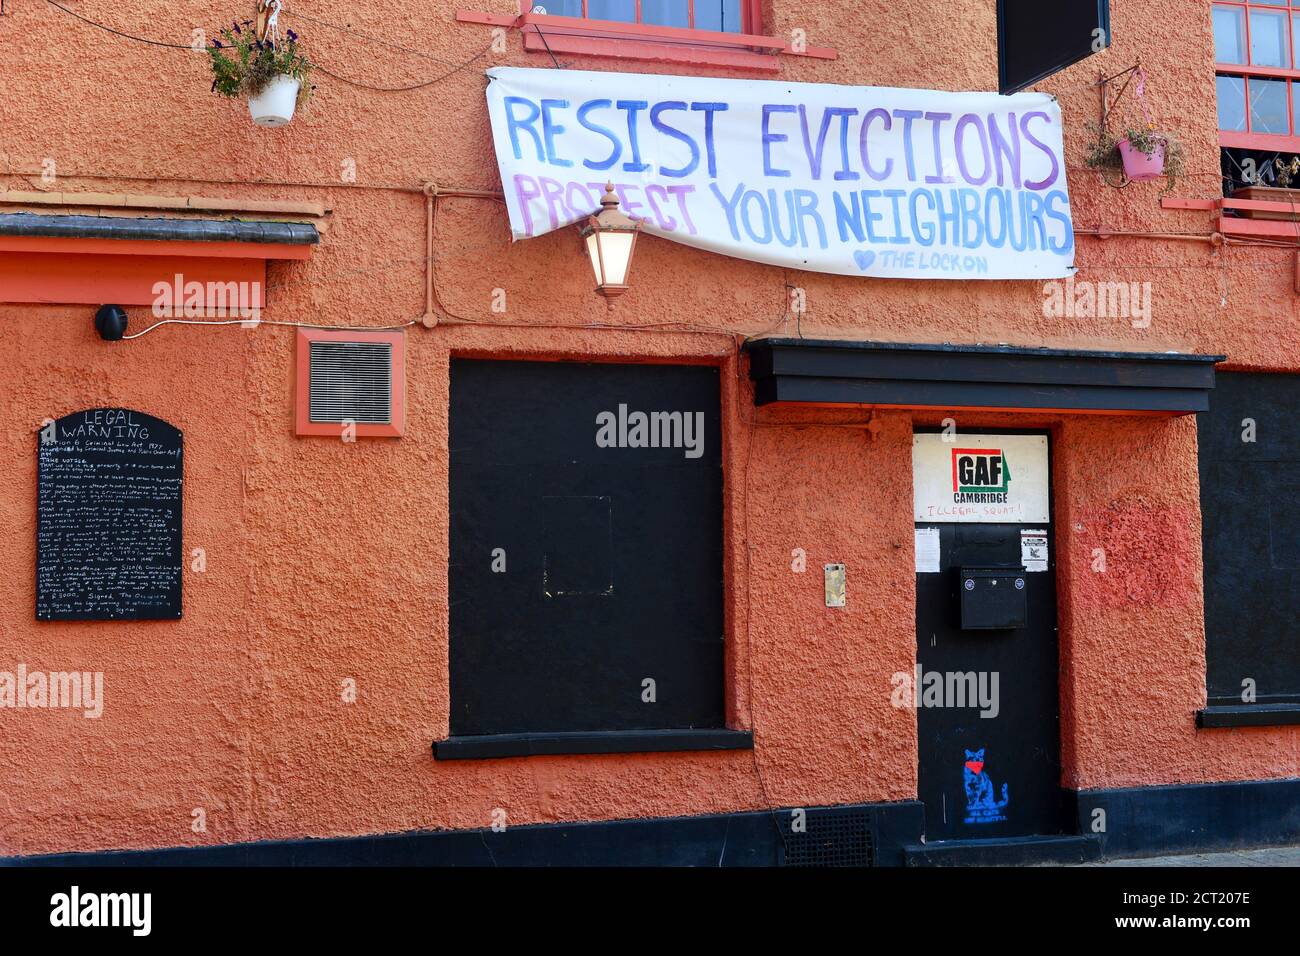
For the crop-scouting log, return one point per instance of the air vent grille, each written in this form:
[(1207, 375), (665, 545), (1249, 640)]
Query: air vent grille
[(351, 381), (834, 837)]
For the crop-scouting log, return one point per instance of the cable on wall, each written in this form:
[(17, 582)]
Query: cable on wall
[(404, 89), (457, 68), (126, 36), (254, 323)]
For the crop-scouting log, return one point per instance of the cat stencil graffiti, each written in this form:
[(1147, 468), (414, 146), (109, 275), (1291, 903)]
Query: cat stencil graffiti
[(980, 805)]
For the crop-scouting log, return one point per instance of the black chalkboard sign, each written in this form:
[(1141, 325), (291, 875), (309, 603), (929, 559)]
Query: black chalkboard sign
[(108, 517)]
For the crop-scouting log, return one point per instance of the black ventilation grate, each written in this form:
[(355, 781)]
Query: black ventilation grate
[(351, 381), (833, 837)]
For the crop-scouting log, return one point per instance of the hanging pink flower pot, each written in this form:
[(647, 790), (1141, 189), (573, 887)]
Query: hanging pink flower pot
[(1139, 166)]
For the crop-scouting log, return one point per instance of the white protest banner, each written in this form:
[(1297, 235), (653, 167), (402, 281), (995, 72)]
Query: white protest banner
[(855, 180)]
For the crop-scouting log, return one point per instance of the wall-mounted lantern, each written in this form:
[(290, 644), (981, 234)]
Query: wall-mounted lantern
[(610, 236)]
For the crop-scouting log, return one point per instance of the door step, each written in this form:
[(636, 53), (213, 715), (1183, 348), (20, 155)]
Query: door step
[(1014, 851)]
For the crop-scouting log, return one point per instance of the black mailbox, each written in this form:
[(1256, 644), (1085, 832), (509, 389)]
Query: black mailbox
[(992, 598)]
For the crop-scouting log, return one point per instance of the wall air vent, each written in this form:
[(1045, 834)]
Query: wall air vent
[(831, 836), (350, 382)]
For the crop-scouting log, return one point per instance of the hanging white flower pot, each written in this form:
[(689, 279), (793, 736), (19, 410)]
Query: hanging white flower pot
[(274, 106)]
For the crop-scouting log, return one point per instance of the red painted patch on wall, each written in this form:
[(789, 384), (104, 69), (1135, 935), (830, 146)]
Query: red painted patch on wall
[(1130, 554)]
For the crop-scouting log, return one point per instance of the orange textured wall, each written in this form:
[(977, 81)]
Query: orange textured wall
[(327, 561)]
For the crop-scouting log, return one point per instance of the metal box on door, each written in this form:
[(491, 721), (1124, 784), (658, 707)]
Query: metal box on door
[(992, 599)]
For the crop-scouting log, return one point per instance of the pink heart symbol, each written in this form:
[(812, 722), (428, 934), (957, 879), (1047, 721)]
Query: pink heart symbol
[(975, 766)]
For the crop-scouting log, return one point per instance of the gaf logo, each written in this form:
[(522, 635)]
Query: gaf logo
[(979, 476)]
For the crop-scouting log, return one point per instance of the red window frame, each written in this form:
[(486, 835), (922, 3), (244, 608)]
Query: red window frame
[(748, 49), (303, 425), (1249, 139), (750, 11)]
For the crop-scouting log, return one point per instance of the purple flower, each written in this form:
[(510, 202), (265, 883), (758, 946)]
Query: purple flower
[(236, 26), (216, 44), (293, 36), (214, 86)]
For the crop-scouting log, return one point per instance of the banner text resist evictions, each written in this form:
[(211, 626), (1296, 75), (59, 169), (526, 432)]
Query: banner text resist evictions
[(855, 180)]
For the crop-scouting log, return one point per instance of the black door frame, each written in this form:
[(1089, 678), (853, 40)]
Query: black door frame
[(1050, 432)]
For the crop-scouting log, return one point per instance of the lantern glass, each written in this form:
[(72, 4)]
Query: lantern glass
[(611, 254)]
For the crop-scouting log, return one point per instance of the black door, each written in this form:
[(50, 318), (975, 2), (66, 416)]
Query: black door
[(985, 684)]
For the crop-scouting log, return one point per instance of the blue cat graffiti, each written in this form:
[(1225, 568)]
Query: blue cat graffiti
[(981, 807)]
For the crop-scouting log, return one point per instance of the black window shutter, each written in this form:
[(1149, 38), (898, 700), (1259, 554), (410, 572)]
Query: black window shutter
[(1037, 38), (583, 566), (1249, 456)]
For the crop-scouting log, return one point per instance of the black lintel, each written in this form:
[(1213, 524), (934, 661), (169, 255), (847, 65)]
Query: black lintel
[(914, 375), (484, 746)]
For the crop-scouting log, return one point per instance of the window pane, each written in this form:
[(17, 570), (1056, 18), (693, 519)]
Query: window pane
[(1268, 46), (1268, 107), (557, 8), (666, 13), (1295, 39), (1232, 102), (1229, 35), (622, 10), (722, 16)]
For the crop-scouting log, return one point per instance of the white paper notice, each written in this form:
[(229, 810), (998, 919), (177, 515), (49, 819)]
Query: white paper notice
[(1033, 549), (927, 550)]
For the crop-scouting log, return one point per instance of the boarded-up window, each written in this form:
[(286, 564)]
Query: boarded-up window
[(586, 547), (1250, 520)]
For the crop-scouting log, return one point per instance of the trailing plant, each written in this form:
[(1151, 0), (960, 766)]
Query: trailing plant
[(1103, 151), (243, 64)]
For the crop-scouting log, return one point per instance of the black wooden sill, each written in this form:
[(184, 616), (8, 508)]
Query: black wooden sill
[(486, 746), (1248, 715)]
